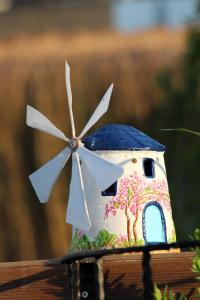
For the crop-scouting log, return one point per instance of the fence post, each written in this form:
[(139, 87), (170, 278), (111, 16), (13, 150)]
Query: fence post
[(85, 280), (147, 276)]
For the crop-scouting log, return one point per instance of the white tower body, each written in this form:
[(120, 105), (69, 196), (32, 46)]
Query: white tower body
[(136, 209)]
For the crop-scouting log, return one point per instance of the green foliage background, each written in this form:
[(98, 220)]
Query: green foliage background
[(180, 97)]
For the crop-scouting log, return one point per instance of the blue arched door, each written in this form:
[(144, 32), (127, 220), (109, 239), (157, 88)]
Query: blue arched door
[(154, 227)]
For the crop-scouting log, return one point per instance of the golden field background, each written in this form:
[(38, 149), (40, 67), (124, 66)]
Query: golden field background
[(32, 72)]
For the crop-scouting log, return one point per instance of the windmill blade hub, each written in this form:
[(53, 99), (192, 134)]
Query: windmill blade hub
[(74, 143)]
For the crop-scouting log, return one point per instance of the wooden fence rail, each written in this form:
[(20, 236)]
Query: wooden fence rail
[(37, 280)]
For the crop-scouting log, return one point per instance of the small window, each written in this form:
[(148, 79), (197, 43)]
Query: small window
[(149, 167), (111, 190)]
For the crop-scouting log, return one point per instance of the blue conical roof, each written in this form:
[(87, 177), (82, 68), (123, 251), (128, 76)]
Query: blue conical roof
[(121, 137)]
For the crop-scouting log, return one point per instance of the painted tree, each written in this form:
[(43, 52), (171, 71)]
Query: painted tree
[(133, 193)]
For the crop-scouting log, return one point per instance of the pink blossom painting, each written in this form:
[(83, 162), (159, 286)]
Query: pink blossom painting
[(133, 193)]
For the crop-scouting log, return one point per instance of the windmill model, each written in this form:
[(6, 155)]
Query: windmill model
[(118, 192)]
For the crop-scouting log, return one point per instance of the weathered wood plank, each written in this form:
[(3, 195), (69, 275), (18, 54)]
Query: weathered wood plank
[(123, 274), (36, 280)]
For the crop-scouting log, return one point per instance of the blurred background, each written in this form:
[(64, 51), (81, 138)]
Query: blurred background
[(149, 49)]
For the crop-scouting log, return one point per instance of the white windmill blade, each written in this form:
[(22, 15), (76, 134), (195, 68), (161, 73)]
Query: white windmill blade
[(44, 178), (77, 211), (104, 172), (100, 110), (69, 96), (38, 121)]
